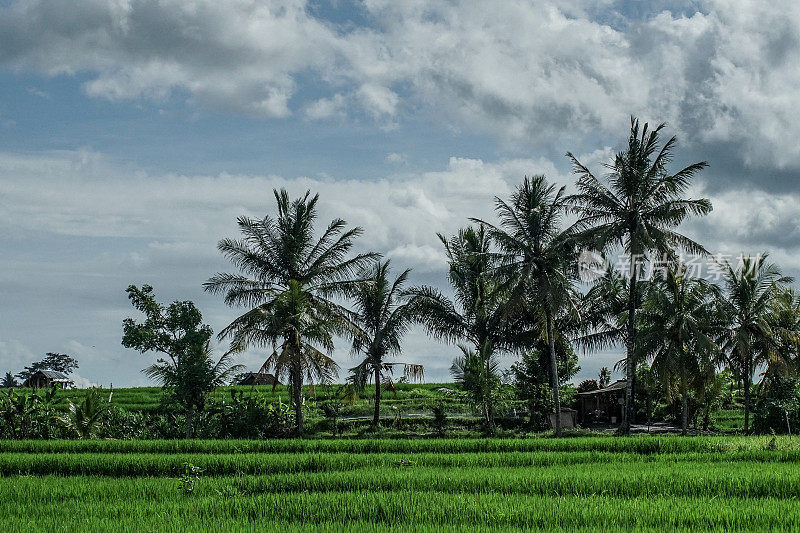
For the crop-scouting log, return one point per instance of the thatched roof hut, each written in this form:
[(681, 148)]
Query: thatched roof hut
[(44, 379), (258, 378)]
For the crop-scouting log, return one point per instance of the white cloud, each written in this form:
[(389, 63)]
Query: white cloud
[(396, 158), (326, 108), (526, 72)]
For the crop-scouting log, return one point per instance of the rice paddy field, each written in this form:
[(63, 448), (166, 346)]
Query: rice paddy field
[(582, 483)]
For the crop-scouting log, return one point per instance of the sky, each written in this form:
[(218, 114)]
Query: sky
[(133, 133)]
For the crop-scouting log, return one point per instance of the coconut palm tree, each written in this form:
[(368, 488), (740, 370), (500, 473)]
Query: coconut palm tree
[(537, 259), (751, 291), (637, 209), (476, 318), (288, 278), (383, 314), (679, 322)]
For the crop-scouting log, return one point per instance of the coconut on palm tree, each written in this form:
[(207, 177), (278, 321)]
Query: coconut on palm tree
[(476, 318), (536, 261), (288, 278), (751, 290), (383, 314), (637, 209)]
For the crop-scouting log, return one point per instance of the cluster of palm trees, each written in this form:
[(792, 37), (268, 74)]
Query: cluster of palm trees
[(516, 288)]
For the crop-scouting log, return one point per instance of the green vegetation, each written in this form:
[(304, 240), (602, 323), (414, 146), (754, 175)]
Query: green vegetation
[(595, 483)]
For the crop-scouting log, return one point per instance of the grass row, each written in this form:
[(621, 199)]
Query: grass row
[(150, 506), (642, 444)]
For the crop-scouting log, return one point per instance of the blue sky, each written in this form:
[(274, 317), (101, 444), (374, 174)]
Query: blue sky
[(132, 135)]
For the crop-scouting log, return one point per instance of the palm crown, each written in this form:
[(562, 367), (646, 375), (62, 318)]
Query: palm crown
[(289, 278)]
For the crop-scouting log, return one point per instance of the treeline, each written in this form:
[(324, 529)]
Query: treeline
[(530, 286)]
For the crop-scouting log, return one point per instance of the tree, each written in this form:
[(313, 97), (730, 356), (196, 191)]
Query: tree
[(533, 380), (536, 259), (383, 314), (680, 321), (751, 290), (57, 362), (604, 377), (287, 278), (9, 382), (86, 417), (177, 331), (638, 210), (476, 318)]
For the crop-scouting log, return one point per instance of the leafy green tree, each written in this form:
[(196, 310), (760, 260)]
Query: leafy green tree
[(9, 382), (383, 314), (288, 279), (476, 318), (533, 380), (638, 210), (537, 259), (177, 332), (751, 290), (680, 321), (58, 362)]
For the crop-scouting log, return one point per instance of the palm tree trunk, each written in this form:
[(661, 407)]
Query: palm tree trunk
[(554, 372), (297, 394), (747, 379), (376, 418), (189, 420), (630, 367), (685, 416)]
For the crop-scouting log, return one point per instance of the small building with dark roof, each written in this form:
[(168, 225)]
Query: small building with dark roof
[(602, 406), (258, 378), (45, 379)]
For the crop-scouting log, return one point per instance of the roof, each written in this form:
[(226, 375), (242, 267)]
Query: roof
[(616, 386), (52, 374)]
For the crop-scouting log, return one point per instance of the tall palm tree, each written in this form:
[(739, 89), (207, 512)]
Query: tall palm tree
[(536, 259), (637, 209), (679, 322), (751, 290), (383, 314), (288, 277), (477, 317)]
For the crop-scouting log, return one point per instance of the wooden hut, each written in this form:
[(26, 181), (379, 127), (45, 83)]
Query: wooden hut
[(45, 379), (258, 378), (602, 406)]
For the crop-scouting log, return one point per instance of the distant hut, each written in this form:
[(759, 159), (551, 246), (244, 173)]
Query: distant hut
[(45, 379), (603, 406), (258, 378)]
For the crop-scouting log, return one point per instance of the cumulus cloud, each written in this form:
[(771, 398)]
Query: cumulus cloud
[(525, 72)]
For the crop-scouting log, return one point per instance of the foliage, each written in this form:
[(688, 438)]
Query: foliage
[(28, 415), (637, 209), (778, 407), (190, 476), (86, 417), (476, 317), (536, 261), (383, 315), (177, 331), (251, 417), (9, 381), (751, 290), (287, 278), (58, 362)]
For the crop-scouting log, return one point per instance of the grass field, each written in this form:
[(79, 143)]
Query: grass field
[(586, 483)]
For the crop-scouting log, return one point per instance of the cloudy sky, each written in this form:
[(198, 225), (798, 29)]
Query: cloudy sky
[(133, 133)]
